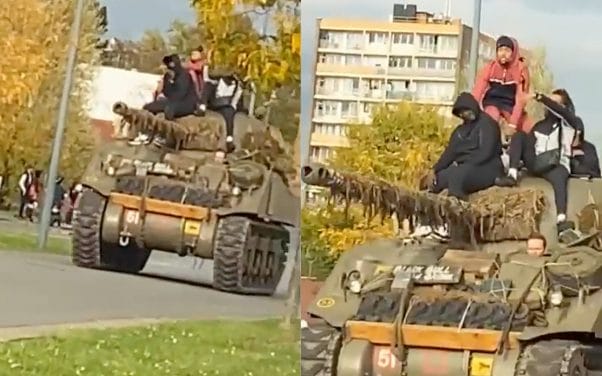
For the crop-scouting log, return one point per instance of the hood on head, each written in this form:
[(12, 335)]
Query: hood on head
[(173, 59), (466, 101), (506, 41)]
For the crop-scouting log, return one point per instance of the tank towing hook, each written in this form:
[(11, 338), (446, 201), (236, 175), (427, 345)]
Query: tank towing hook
[(124, 240)]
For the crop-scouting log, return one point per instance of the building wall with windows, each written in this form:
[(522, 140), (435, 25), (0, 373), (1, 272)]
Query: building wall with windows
[(362, 64)]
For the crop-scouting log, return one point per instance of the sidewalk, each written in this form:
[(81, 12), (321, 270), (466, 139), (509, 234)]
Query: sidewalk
[(8, 223)]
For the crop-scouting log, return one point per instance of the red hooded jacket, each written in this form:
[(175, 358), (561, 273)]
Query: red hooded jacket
[(504, 86)]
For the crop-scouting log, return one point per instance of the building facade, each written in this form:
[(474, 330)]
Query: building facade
[(360, 64)]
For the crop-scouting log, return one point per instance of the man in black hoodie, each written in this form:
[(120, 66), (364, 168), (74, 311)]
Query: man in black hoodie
[(178, 87), (471, 161)]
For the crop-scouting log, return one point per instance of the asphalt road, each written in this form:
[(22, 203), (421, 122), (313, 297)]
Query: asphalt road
[(38, 289)]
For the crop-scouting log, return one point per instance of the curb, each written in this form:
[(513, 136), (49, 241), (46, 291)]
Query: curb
[(16, 333)]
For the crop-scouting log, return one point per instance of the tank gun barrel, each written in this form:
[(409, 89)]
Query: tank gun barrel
[(318, 175), (486, 216)]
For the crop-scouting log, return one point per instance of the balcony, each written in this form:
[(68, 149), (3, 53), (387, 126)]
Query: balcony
[(348, 70), (437, 52), (338, 93), (341, 46), (422, 72)]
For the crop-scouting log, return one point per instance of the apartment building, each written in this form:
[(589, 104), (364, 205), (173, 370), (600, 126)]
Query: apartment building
[(415, 56)]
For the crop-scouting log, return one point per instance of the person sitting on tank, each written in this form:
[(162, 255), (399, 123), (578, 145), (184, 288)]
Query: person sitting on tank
[(471, 161), (222, 93), (501, 85), (585, 162), (198, 68), (179, 93), (546, 152)]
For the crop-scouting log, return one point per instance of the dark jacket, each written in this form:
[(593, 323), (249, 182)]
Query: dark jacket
[(587, 164), (554, 113), (179, 87), (474, 143)]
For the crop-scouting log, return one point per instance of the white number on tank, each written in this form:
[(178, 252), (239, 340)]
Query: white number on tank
[(132, 217), (386, 359)]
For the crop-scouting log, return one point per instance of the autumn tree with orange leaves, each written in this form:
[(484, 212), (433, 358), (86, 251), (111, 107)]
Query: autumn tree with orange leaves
[(35, 37)]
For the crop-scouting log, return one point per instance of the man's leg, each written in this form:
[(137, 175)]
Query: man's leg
[(494, 112), (228, 112), (207, 92), (520, 149), (156, 107), (558, 178)]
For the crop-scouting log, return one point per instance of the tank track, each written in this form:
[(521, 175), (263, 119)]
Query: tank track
[(89, 251), (441, 312), (320, 346), (198, 196), (244, 256), (552, 357), (87, 220)]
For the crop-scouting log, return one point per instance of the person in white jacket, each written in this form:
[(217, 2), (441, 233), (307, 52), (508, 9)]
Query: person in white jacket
[(25, 181)]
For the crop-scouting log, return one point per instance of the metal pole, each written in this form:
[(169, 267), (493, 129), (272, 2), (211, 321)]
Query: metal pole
[(474, 44), (60, 129)]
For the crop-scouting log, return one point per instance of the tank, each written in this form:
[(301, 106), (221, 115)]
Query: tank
[(421, 306), (176, 196)]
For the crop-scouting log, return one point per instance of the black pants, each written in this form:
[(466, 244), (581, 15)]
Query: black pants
[(522, 148), (22, 204), (224, 108), (171, 109), (462, 180)]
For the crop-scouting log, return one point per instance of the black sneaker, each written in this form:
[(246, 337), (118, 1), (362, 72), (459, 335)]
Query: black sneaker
[(505, 181), (564, 226)]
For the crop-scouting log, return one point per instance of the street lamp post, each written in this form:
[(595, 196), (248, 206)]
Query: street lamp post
[(60, 128), (474, 44)]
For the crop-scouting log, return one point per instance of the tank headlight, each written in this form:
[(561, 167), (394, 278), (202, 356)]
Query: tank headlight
[(354, 282), (556, 298), (236, 191), (110, 170)]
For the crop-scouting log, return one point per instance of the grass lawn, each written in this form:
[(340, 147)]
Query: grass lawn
[(224, 348), (23, 241)]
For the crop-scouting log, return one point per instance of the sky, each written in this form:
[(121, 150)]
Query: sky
[(571, 35), (569, 32)]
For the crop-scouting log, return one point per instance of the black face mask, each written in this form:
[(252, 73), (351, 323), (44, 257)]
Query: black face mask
[(467, 116)]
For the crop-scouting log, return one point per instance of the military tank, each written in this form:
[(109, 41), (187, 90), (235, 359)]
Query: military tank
[(417, 306), (176, 196)]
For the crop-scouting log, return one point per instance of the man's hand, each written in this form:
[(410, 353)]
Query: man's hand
[(428, 180)]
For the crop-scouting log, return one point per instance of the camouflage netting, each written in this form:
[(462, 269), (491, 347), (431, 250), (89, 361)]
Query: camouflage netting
[(495, 214), (189, 132), (261, 147)]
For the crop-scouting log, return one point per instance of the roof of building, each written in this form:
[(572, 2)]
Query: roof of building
[(112, 85)]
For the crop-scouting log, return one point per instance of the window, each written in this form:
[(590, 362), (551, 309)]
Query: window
[(327, 108), (448, 43), (354, 41), (400, 62), (447, 64), (429, 42), (353, 60), (403, 38), (349, 110), (426, 63), (320, 153), (377, 38)]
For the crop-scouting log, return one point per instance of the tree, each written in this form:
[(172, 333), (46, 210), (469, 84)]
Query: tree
[(35, 40), (399, 146), (542, 79), (268, 61)]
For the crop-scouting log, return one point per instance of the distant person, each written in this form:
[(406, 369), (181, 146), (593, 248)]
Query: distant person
[(34, 191), (471, 161), (502, 84), (57, 202), (25, 180)]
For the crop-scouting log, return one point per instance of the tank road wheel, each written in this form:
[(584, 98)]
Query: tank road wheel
[(553, 357), (249, 256), (89, 251), (128, 259), (320, 346), (86, 230)]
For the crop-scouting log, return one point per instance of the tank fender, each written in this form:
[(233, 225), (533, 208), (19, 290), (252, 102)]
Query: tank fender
[(505, 364), (578, 318), (330, 303), (272, 201)]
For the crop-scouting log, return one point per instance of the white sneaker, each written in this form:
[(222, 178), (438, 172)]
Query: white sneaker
[(229, 139), (141, 139)]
